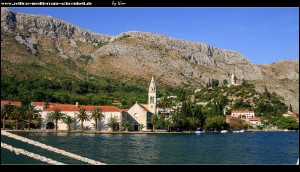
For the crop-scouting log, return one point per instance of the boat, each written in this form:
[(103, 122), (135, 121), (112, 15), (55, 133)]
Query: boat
[(240, 131), (199, 131), (224, 131)]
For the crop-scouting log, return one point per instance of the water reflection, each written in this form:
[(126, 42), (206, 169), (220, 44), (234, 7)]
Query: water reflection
[(244, 148)]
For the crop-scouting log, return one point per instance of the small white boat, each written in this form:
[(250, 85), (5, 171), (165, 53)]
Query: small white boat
[(240, 131), (224, 131)]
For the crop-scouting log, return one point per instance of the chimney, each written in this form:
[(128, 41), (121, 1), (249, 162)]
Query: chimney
[(76, 104)]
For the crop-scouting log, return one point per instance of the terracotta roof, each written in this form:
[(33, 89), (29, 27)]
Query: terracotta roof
[(6, 102), (242, 111), (254, 119), (143, 106), (290, 113), (87, 108), (124, 110)]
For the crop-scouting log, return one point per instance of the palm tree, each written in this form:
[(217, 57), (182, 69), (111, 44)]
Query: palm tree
[(56, 115), (5, 112), (141, 127), (82, 116), (112, 123), (127, 124), (17, 114), (153, 120), (168, 123), (176, 117), (97, 114), (30, 113), (164, 103), (68, 120)]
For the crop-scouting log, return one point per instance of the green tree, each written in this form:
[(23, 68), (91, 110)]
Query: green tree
[(68, 120), (168, 123), (141, 127), (31, 113), (112, 123), (97, 114), (127, 124), (215, 122), (153, 120), (17, 114), (176, 117), (5, 112), (82, 116), (193, 122), (56, 115), (288, 123)]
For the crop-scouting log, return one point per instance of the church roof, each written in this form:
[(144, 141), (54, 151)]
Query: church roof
[(144, 107)]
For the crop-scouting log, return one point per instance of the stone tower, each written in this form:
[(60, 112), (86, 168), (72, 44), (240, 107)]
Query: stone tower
[(232, 79), (152, 97)]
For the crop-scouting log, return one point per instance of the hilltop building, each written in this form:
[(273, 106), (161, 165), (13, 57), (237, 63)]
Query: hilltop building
[(243, 114)]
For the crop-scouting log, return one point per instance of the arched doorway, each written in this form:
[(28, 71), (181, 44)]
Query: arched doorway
[(136, 127), (50, 125)]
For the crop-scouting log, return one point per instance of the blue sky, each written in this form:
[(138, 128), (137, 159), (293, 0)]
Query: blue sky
[(263, 35)]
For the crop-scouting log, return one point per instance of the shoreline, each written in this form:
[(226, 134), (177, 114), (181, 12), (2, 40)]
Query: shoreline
[(130, 132)]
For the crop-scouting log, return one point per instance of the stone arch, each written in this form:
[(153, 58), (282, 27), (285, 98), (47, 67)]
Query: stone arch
[(50, 125)]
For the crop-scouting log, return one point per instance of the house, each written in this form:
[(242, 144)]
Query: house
[(256, 121), (290, 114), (243, 114), (73, 111)]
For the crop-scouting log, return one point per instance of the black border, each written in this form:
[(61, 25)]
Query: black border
[(161, 3)]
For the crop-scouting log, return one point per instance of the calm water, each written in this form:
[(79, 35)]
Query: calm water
[(231, 148)]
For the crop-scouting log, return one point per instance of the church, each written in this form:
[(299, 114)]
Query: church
[(139, 114)]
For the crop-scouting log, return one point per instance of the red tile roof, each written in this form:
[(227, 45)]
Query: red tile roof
[(290, 113), (6, 102), (254, 119), (87, 108), (143, 106), (124, 110)]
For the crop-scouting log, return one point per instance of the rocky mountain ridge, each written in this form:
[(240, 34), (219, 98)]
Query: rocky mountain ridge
[(134, 55)]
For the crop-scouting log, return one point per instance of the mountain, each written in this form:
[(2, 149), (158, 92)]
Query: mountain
[(54, 49)]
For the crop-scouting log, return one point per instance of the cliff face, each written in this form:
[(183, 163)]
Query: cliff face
[(128, 56)]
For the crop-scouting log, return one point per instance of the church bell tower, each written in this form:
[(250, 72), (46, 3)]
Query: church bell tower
[(152, 97)]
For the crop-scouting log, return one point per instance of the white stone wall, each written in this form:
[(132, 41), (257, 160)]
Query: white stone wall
[(246, 115), (87, 125), (139, 114)]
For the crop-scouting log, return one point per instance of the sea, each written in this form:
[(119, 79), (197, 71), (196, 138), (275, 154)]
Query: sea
[(248, 148)]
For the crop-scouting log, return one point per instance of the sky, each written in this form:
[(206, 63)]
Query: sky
[(262, 35)]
